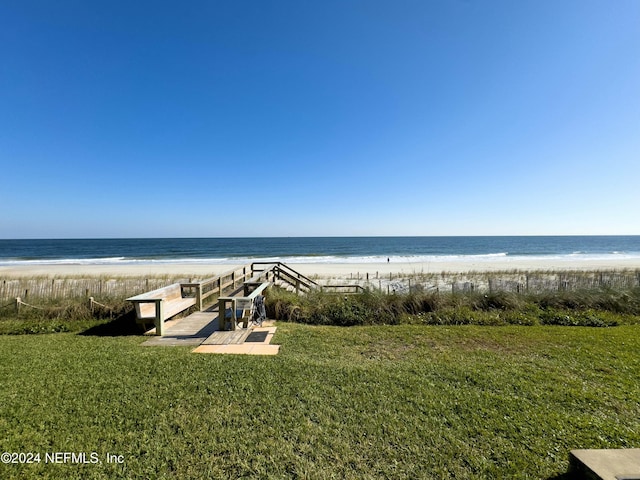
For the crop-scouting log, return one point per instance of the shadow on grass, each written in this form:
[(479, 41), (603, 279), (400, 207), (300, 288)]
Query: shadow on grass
[(124, 325), (564, 476)]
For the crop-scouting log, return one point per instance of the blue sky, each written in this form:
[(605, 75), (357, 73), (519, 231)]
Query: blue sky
[(303, 118)]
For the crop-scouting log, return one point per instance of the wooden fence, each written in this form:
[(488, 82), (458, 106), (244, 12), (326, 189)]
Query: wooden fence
[(81, 287), (533, 282), (539, 282)]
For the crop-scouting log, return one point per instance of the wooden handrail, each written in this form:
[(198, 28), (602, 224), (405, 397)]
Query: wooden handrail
[(217, 285), (210, 289), (292, 279), (357, 288), (287, 270)]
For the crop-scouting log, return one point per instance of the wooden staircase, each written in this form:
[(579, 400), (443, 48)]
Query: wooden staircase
[(284, 276)]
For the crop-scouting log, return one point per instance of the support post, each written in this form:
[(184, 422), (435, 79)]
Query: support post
[(18, 302), (234, 320), (199, 296), (159, 322)]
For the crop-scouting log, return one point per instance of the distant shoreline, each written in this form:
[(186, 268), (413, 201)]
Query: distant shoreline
[(323, 270)]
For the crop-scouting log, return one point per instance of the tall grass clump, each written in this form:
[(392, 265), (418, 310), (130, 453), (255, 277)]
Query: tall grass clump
[(318, 308), (53, 315), (604, 307)]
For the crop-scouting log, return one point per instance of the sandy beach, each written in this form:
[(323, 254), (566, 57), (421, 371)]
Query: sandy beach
[(323, 270)]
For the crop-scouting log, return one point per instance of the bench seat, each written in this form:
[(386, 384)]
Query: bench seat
[(161, 304), (170, 308)]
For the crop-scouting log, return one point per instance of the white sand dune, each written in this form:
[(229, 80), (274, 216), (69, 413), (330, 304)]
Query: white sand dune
[(325, 270)]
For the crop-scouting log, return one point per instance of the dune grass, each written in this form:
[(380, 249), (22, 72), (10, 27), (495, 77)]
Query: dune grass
[(593, 307), (406, 401)]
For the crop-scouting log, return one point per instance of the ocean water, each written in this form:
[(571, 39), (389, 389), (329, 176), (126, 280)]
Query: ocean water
[(314, 249)]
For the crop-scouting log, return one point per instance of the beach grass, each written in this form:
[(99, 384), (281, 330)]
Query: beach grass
[(585, 307), (593, 307), (404, 401), (54, 315)]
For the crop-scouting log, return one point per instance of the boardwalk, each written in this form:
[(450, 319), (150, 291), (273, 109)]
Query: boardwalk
[(191, 330), (200, 329)]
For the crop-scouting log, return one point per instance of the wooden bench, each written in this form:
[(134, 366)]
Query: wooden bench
[(159, 305), (232, 310)]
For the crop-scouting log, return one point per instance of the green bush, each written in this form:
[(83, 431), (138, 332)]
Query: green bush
[(595, 309), (588, 318)]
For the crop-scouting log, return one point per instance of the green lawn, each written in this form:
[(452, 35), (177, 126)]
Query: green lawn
[(361, 402)]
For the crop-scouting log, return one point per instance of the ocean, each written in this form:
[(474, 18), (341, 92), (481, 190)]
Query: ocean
[(234, 251)]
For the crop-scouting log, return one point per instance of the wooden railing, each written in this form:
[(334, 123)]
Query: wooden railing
[(209, 290), (347, 289), (280, 273)]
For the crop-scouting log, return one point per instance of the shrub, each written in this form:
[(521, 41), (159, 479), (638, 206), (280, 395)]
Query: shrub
[(596, 309)]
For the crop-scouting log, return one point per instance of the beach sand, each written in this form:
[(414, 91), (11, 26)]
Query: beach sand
[(323, 270)]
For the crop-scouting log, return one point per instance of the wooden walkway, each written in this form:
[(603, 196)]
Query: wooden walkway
[(228, 338), (200, 329), (191, 330)]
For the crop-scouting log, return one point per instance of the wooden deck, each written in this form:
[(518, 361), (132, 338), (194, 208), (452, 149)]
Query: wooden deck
[(228, 338), (191, 330), (200, 329)]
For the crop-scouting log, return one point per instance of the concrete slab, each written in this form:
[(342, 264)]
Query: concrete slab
[(606, 464), (260, 349)]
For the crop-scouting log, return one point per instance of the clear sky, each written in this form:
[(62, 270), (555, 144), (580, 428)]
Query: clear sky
[(332, 117)]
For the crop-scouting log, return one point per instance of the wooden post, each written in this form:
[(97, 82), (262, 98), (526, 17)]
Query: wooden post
[(199, 296), (91, 304), (18, 301), (234, 319), (221, 312), (159, 314)]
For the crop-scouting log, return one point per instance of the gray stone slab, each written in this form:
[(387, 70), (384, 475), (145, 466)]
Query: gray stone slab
[(606, 464)]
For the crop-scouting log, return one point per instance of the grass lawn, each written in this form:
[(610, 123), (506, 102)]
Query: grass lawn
[(362, 402)]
